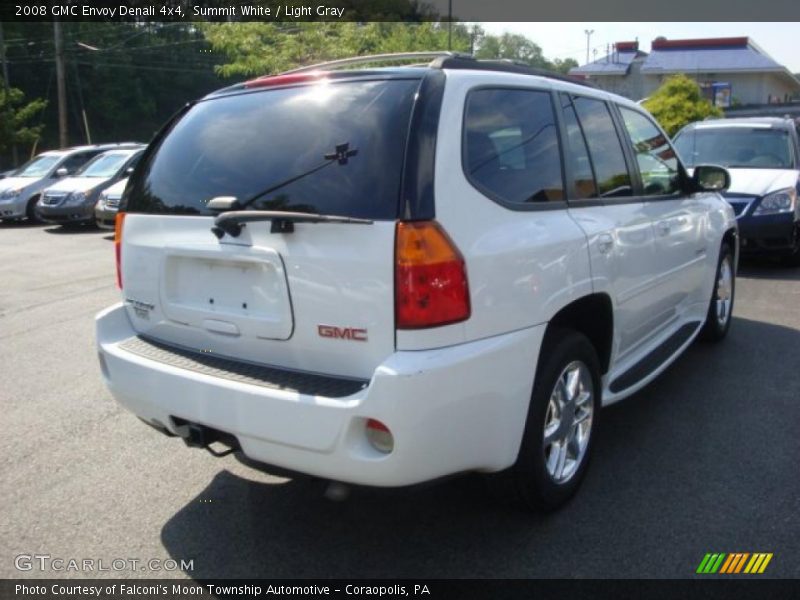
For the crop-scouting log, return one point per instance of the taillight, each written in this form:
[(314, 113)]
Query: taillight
[(431, 286), (118, 222)]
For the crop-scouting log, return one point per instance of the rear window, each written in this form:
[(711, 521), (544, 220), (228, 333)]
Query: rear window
[(286, 140)]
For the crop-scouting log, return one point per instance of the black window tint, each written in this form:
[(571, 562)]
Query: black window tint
[(240, 145), (657, 162), (511, 145), (605, 148), (583, 182)]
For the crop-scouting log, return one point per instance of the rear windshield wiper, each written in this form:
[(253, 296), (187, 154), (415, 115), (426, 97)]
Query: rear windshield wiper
[(282, 221), (232, 215)]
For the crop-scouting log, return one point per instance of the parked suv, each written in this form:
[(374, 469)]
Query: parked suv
[(762, 155), (73, 199), (387, 276), (20, 191)]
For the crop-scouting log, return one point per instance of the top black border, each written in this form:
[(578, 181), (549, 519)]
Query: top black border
[(401, 10)]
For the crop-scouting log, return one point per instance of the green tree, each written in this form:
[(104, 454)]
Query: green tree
[(563, 66), (15, 118), (512, 46), (265, 48), (678, 102)]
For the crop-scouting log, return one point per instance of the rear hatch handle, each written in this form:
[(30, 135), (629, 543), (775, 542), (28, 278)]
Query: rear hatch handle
[(282, 221)]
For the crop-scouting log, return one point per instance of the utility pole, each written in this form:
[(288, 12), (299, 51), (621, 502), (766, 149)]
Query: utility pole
[(6, 88), (449, 24), (61, 85), (588, 33)]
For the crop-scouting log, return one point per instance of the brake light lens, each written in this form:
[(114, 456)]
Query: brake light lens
[(288, 79), (118, 223), (431, 286)]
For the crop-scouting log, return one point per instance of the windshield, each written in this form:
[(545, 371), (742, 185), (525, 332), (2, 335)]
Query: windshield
[(38, 167), (279, 148), (736, 147), (105, 165)]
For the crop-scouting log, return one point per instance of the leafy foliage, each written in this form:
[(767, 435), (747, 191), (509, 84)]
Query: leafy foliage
[(266, 48), (679, 102), (16, 116)]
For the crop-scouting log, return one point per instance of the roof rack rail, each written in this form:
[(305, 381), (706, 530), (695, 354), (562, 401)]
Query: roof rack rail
[(443, 60), (373, 58), (467, 61)]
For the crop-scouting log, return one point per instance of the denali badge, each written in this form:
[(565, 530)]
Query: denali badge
[(342, 333), (142, 309)]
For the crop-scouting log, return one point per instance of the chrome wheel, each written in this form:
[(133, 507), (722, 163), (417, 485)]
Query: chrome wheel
[(568, 422), (724, 291)]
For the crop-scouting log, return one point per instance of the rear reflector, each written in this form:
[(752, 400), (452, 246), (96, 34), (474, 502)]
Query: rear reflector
[(379, 436), (118, 224), (431, 286), (287, 79)]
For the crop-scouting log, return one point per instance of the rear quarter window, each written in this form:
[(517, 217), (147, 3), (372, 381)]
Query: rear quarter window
[(510, 146), (240, 145)]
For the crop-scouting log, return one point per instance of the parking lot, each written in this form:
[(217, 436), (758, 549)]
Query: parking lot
[(703, 460)]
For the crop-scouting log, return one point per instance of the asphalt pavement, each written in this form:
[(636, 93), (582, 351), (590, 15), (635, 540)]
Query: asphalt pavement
[(705, 459)]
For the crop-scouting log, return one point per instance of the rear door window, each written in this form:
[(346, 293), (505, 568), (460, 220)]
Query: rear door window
[(608, 158), (657, 162), (510, 146), (287, 140)]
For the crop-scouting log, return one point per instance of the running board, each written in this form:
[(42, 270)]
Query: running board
[(655, 359)]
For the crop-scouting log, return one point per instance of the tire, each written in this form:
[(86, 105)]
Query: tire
[(720, 308), (540, 479), (793, 258), (30, 210)]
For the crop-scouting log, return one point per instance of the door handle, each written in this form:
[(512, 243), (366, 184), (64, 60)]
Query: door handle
[(663, 227), (604, 243)]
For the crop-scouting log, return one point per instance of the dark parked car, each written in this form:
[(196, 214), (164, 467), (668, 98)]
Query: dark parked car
[(762, 155)]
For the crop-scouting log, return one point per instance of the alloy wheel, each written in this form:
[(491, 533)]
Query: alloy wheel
[(568, 422)]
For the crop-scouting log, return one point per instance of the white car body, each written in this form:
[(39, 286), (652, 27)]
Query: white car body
[(454, 396)]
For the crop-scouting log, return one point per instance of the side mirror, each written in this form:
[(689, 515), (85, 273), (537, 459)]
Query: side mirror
[(711, 178), (129, 171), (62, 172)]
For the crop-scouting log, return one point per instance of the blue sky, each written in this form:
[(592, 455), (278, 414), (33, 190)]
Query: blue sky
[(567, 40)]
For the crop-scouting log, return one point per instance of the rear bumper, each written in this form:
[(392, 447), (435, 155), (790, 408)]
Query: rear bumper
[(767, 234), (455, 409)]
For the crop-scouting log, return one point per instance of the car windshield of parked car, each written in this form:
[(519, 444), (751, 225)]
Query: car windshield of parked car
[(333, 148), (105, 165), (736, 147), (38, 167)]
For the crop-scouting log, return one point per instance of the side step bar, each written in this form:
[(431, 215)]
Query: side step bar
[(655, 359)]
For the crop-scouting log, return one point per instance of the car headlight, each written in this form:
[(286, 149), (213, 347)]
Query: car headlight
[(783, 201), (75, 199), (7, 194)]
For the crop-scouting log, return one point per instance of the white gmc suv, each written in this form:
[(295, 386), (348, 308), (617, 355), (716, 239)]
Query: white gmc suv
[(386, 276)]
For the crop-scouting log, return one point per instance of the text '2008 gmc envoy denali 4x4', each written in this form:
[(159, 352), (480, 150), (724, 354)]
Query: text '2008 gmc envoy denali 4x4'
[(386, 276)]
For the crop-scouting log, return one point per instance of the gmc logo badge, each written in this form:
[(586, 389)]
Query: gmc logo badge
[(342, 333)]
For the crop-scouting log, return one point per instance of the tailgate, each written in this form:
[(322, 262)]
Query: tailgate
[(319, 299)]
